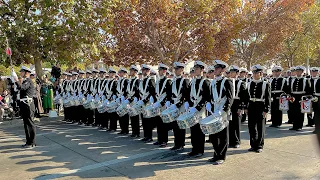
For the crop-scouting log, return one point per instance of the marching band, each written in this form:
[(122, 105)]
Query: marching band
[(212, 104)]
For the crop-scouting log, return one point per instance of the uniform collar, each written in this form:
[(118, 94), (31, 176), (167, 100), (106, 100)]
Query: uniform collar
[(198, 77), (257, 81), (218, 78)]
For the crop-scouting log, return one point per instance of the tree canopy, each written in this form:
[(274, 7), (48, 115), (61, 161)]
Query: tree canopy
[(124, 32)]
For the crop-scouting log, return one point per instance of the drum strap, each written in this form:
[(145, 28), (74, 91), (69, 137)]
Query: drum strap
[(108, 88), (238, 88), (120, 87), (130, 88), (194, 93), (143, 91)]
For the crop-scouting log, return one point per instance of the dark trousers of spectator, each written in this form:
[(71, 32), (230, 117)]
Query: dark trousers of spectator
[(27, 113), (124, 123), (36, 105), (276, 114), (256, 125), (113, 121), (220, 143), (197, 139), (135, 125), (179, 134)]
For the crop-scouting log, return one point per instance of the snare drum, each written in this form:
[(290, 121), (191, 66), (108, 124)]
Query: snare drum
[(150, 111), (135, 108), (214, 124), (188, 120), (122, 110), (169, 115), (102, 108), (112, 107)]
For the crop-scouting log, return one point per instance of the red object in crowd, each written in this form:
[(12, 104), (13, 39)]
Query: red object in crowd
[(8, 51)]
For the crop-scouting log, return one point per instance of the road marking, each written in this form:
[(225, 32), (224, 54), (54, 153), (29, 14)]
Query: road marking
[(99, 165)]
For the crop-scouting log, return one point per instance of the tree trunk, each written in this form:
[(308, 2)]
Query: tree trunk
[(38, 67)]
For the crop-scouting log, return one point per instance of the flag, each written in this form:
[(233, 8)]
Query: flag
[(8, 51)]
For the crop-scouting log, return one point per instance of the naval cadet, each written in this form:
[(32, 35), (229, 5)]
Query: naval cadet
[(221, 88), (246, 78), (240, 97), (27, 109), (289, 81), (258, 107), (163, 94), (122, 92), (279, 86), (147, 90), (314, 71), (300, 86), (199, 96), (133, 95), (180, 95)]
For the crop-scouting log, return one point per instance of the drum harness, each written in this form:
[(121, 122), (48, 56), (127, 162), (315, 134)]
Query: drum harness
[(130, 88), (176, 92), (218, 102), (108, 88), (143, 91), (161, 95), (27, 100), (120, 87)]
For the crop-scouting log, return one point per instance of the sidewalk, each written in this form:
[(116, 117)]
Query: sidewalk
[(68, 151)]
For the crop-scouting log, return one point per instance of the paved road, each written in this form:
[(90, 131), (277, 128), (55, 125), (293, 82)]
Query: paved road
[(67, 151)]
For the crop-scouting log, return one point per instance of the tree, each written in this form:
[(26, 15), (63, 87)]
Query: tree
[(51, 31), (265, 25), (153, 31), (304, 42)]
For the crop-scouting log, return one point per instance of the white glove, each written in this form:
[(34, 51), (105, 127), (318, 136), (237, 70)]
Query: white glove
[(193, 110), (114, 97), (186, 106), (117, 100), (126, 101), (168, 104), (173, 106), (208, 107), (217, 113), (157, 104), (135, 99), (122, 98), (151, 100), (105, 101)]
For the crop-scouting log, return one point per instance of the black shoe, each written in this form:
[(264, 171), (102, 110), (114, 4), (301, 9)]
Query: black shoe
[(94, 125), (236, 146), (289, 122), (80, 123), (309, 125), (28, 145), (109, 130), (163, 145), (144, 139), (121, 132), (88, 124), (212, 160), (219, 162), (133, 135), (174, 148), (148, 140), (251, 150), (299, 129), (208, 141), (292, 129), (156, 143), (272, 125), (269, 120), (191, 154), (259, 151)]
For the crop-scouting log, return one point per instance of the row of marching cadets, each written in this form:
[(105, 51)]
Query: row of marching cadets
[(207, 106)]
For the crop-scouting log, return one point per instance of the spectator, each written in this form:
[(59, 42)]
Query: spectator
[(37, 95), (4, 101), (3, 85), (56, 72)]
